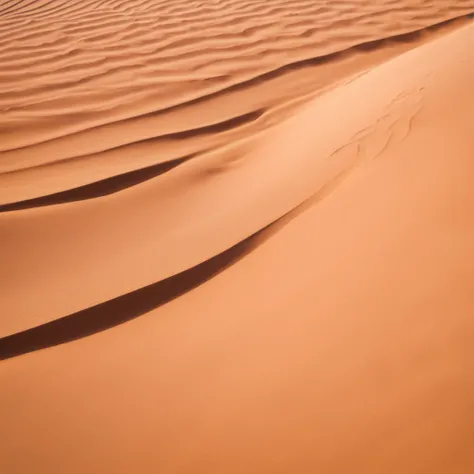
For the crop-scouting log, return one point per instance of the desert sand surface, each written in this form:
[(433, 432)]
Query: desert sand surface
[(236, 236)]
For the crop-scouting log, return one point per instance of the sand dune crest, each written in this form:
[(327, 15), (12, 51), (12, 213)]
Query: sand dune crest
[(236, 236)]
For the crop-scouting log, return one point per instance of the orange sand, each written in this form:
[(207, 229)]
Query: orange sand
[(236, 237)]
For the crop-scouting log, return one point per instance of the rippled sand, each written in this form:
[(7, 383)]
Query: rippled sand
[(236, 236)]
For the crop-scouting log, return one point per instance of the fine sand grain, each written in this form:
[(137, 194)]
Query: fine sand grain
[(236, 237)]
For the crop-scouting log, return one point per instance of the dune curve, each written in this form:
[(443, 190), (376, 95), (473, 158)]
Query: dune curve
[(278, 281)]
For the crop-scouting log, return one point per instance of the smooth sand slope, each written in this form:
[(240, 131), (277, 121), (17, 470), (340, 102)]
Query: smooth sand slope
[(154, 182), (292, 295)]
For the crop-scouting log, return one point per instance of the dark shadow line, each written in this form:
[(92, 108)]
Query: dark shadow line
[(123, 308), (220, 127), (122, 181), (100, 188)]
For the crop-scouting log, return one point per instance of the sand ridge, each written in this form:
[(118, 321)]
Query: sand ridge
[(247, 275), (100, 172)]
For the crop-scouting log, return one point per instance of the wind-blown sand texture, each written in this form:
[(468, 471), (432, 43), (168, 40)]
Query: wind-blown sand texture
[(236, 236)]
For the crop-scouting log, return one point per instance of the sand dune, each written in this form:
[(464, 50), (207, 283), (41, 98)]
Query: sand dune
[(236, 236), (174, 149)]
